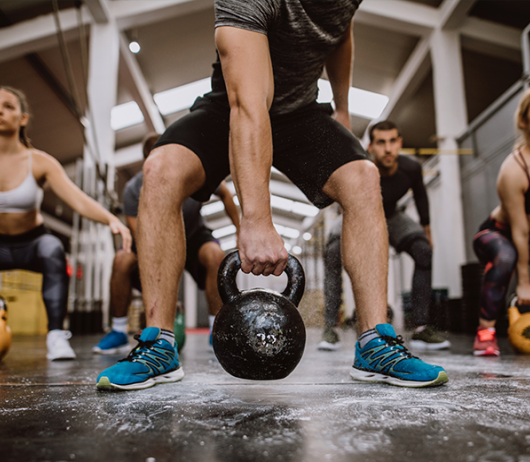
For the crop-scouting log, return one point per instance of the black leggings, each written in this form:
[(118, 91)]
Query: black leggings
[(43, 253), (495, 249)]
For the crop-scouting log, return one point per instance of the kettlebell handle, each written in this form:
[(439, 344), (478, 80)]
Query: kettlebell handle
[(514, 300), (226, 279)]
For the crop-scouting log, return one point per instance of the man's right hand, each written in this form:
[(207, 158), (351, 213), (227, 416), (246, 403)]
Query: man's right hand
[(261, 249)]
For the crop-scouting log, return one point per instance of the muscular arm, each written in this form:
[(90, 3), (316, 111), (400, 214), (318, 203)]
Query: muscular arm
[(339, 70), (61, 185), (511, 186), (131, 223), (247, 69), (230, 207)]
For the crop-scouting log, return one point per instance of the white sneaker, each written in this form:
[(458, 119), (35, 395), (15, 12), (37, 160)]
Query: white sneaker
[(58, 345)]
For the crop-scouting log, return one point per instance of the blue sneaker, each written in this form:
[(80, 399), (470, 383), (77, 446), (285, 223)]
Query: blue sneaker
[(152, 361), (113, 343), (385, 359)]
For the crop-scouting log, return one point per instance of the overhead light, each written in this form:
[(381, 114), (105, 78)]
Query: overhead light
[(228, 245), (281, 203), (362, 103), (307, 236), (180, 98), (287, 232), (297, 250), (225, 231), (307, 210), (277, 202), (297, 207), (211, 208), (125, 115), (134, 46)]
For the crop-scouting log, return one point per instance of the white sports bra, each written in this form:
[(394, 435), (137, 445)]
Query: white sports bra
[(24, 198)]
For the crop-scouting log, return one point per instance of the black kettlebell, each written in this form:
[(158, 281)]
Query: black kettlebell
[(259, 334)]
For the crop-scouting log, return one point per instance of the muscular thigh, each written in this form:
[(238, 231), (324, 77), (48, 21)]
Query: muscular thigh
[(309, 146), (205, 132)]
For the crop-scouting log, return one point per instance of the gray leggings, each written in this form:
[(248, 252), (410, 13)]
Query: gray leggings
[(405, 235), (43, 253)]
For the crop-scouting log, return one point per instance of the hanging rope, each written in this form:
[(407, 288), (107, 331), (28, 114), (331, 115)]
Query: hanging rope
[(75, 96)]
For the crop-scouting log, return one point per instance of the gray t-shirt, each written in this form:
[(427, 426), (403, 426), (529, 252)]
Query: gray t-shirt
[(191, 208), (301, 33)]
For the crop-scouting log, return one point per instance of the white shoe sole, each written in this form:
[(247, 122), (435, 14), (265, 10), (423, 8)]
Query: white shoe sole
[(487, 353), (326, 346), (64, 355), (366, 376), (421, 345), (174, 376), (112, 351)]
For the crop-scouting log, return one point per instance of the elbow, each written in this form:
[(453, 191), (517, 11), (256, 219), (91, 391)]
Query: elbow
[(247, 107)]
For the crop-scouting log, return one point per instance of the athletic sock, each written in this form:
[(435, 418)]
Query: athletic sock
[(168, 336), (420, 329), (367, 336), (120, 324), (211, 319)]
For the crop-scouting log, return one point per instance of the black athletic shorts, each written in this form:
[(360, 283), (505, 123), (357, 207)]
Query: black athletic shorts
[(192, 265), (309, 145)]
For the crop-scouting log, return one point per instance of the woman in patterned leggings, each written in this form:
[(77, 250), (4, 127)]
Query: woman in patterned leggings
[(502, 243)]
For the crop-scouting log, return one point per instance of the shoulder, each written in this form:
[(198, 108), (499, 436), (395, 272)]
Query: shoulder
[(43, 163), (255, 16), (41, 157), (511, 173)]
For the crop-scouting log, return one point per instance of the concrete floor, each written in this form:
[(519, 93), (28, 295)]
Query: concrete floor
[(51, 411)]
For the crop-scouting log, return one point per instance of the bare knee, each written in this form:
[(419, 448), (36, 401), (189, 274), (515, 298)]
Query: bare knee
[(174, 171), (355, 182), (211, 256), (124, 262)]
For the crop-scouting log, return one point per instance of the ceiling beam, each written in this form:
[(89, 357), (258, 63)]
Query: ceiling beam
[(399, 16), (38, 34), (133, 78), (410, 78), (408, 81), (454, 12), (141, 12), (492, 33), (99, 10)]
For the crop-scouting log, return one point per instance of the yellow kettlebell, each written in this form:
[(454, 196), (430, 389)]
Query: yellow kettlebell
[(5, 331), (519, 330)]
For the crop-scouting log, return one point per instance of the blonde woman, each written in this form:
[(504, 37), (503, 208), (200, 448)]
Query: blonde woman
[(502, 241), (24, 241)]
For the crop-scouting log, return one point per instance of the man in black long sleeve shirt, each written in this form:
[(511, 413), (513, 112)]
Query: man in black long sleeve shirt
[(398, 175)]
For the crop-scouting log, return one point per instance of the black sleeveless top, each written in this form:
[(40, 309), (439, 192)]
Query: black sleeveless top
[(518, 156)]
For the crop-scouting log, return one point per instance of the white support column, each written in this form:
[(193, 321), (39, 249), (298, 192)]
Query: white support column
[(102, 95), (446, 200)]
